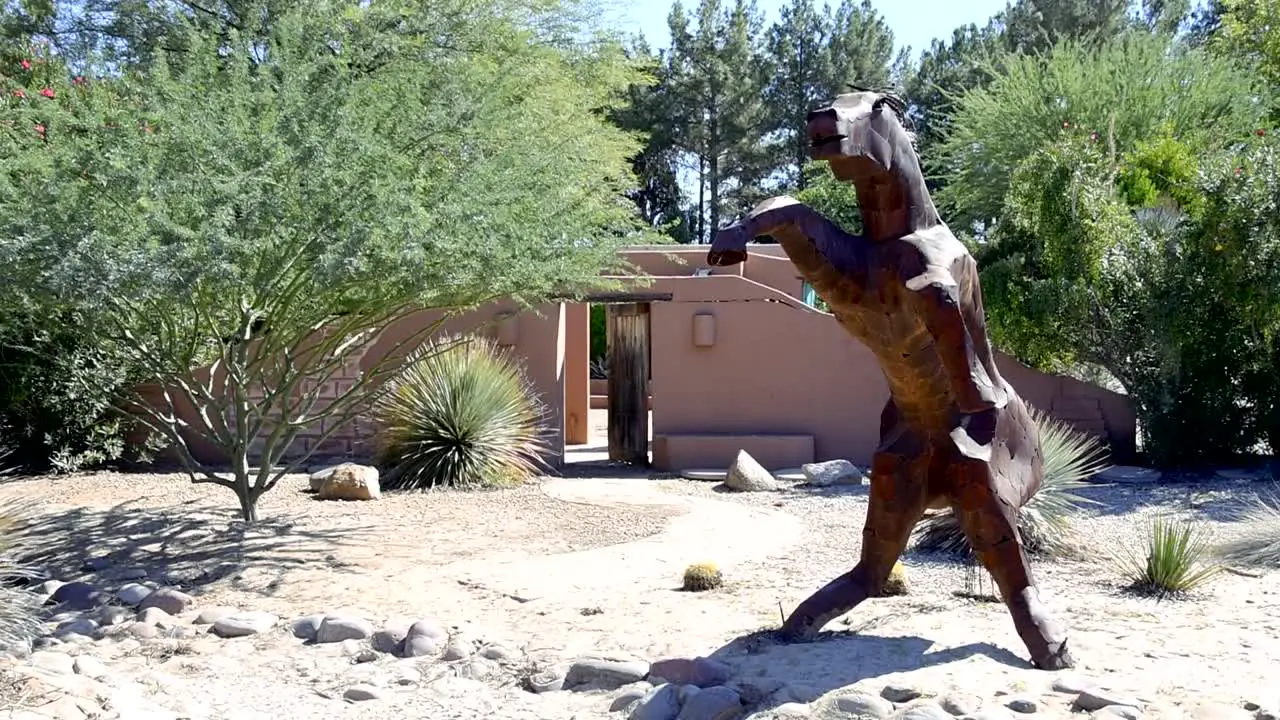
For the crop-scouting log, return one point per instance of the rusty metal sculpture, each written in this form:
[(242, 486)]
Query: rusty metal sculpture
[(953, 433)]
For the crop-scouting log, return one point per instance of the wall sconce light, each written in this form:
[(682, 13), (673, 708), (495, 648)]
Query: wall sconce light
[(704, 330), (508, 329)]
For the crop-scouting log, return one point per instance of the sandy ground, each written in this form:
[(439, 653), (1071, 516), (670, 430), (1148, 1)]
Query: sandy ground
[(590, 566)]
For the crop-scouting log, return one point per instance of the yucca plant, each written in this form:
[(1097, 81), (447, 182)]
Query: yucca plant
[(1070, 458), (1260, 545), (462, 414), (1178, 559)]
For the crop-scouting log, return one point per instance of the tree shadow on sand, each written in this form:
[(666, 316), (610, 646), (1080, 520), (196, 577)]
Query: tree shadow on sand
[(188, 548), (770, 671)]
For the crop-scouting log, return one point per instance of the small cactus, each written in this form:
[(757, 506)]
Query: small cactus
[(897, 582), (701, 577)]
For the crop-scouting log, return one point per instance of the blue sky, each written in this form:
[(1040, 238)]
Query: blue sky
[(914, 22)]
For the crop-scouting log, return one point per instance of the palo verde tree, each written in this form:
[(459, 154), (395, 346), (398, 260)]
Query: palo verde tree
[(263, 202)]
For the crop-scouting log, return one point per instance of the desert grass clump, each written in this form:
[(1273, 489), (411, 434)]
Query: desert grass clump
[(701, 577), (1044, 523), (462, 414), (1178, 559), (19, 608), (1260, 544)]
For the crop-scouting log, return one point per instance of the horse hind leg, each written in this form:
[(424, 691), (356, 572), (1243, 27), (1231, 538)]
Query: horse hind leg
[(899, 495)]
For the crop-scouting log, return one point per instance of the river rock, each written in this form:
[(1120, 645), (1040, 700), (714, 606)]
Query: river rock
[(860, 705), (78, 596), (242, 624), (390, 639), (1072, 684), (132, 594), (362, 693), (922, 711), (209, 616), (1024, 705), (1097, 698), (306, 627), (832, 472), (336, 628), (79, 626), (660, 703), (605, 673), (54, 662), (700, 671), (899, 693), (748, 475), (174, 602), (713, 703), (959, 704)]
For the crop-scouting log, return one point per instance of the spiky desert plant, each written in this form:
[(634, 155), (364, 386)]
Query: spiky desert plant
[(701, 577), (1260, 544), (1178, 558), (1070, 458), (462, 414), (19, 608)]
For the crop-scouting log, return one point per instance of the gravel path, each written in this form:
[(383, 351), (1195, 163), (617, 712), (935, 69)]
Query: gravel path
[(589, 566)]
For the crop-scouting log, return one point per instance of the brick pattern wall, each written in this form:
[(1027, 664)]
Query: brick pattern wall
[(351, 440)]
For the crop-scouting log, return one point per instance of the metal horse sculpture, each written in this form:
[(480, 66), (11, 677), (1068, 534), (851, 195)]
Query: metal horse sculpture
[(953, 433)]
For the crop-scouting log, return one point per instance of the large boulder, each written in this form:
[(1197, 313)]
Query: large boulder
[(350, 481), (748, 475)]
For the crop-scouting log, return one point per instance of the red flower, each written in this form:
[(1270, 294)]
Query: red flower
[(1093, 136), (40, 130), (1065, 124), (79, 80), (1261, 132), (47, 92), (26, 64), (1238, 170), (19, 94)]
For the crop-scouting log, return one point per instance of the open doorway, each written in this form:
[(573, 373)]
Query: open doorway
[(613, 333)]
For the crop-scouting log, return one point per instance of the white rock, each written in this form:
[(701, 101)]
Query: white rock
[(54, 662), (174, 602), (241, 624), (832, 472), (306, 627), (361, 693), (209, 616), (747, 475), (336, 628)]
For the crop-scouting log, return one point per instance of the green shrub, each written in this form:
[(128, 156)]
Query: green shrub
[(58, 391), (461, 415), (1070, 458), (1177, 560), (701, 577), (1260, 546)]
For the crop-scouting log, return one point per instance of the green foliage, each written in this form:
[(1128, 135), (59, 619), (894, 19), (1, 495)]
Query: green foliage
[(1260, 544), (1178, 297), (1126, 90), (1177, 560), (461, 415), (362, 162), (1158, 170), (1044, 523), (701, 577), (835, 199), (599, 334), (811, 54), (1250, 29)]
